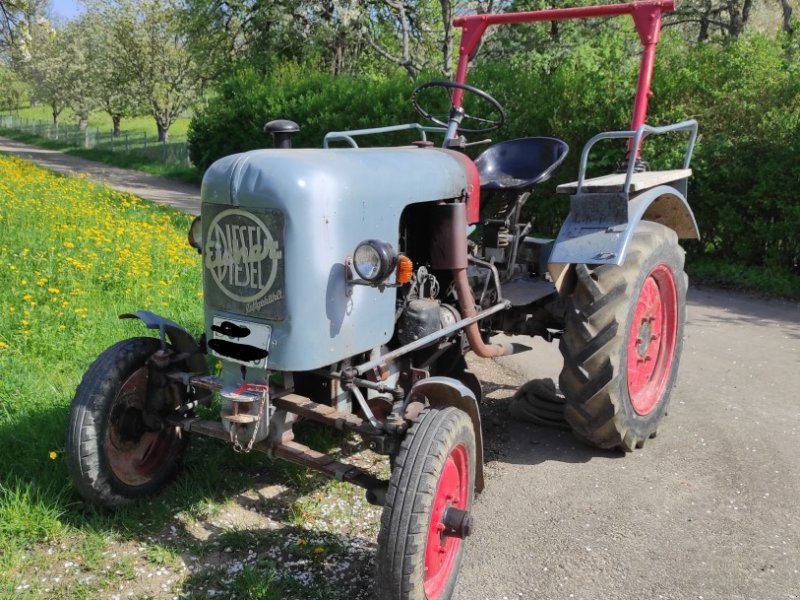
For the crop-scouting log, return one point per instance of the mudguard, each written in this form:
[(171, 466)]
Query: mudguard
[(180, 339), (446, 391), (599, 227)]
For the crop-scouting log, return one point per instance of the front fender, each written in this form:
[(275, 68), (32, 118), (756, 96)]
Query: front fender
[(599, 227), (446, 391), (180, 339)]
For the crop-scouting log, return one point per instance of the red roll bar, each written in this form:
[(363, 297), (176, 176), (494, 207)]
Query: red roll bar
[(646, 17)]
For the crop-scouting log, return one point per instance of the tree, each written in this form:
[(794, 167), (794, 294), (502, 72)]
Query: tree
[(153, 53), (38, 53), (114, 89), (74, 43), (315, 33), (417, 34)]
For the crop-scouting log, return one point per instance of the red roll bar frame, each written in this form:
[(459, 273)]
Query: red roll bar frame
[(646, 17)]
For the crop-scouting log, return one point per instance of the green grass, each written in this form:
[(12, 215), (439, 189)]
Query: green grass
[(103, 121), (136, 162), (74, 255)]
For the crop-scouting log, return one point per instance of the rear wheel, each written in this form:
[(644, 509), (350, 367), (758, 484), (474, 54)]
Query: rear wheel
[(622, 341), (426, 515), (112, 455)]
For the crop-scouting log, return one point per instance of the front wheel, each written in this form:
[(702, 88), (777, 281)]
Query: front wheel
[(426, 515), (622, 341), (112, 455)]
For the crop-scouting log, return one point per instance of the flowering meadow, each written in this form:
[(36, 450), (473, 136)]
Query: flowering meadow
[(73, 256)]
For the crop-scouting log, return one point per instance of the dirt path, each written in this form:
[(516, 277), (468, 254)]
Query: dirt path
[(182, 196), (708, 510)]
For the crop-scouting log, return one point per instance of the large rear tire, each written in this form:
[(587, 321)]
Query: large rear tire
[(434, 471), (622, 341), (113, 457)]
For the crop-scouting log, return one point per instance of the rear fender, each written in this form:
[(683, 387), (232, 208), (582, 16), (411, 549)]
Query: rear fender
[(180, 339), (446, 391), (599, 227)]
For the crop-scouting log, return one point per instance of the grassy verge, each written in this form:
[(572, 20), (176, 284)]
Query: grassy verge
[(103, 120), (125, 161), (74, 255)]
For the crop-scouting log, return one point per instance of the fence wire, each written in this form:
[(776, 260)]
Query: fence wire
[(174, 152)]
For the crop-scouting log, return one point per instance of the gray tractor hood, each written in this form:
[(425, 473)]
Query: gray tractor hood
[(278, 226)]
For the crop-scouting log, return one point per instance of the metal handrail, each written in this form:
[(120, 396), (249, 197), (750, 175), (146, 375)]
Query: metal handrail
[(638, 136), (347, 136)]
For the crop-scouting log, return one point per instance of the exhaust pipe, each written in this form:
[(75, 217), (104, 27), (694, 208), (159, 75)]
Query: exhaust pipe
[(466, 304)]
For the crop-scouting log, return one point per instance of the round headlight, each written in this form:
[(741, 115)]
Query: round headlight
[(196, 235), (374, 260)]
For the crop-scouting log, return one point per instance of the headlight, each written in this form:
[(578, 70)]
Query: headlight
[(196, 235), (374, 260)]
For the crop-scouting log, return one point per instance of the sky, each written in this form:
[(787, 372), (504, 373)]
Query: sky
[(65, 8)]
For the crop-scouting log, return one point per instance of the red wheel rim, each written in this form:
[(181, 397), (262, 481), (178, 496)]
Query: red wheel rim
[(441, 551), (652, 339)]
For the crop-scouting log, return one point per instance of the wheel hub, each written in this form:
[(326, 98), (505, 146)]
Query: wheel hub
[(457, 523)]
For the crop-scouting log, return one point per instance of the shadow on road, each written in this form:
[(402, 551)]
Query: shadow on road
[(512, 441)]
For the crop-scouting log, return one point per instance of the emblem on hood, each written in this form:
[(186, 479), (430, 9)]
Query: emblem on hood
[(242, 256)]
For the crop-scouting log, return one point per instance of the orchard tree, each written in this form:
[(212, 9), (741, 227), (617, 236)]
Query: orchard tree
[(74, 43), (38, 52), (114, 88), (154, 55)]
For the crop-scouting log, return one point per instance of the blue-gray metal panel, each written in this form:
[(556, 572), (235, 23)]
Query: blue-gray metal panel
[(331, 200), (602, 236)]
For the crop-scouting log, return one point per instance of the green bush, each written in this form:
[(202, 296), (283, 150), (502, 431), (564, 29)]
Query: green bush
[(319, 102)]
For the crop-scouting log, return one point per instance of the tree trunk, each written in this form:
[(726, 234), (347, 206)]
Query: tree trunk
[(55, 116), (702, 36), (787, 16), (447, 41), (83, 121), (116, 120), (163, 132)]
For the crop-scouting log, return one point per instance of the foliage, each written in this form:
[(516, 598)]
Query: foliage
[(14, 91), (44, 64), (233, 120)]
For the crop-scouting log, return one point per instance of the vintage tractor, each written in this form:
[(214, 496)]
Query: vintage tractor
[(341, 286)]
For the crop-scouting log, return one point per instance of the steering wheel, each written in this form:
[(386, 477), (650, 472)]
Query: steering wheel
[(488, 124)]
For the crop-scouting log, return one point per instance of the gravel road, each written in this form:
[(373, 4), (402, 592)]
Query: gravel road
[(708, 509)]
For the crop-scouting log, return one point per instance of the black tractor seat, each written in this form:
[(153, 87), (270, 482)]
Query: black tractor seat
[(520, 164)]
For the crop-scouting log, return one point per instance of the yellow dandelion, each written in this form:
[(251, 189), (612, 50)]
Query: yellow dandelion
[(54, 290), (69, 245), (319, 550), (3, 345), (53, 455)]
